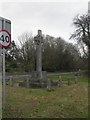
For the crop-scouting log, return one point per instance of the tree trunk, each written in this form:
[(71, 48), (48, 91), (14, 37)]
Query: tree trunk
[(89, 62)]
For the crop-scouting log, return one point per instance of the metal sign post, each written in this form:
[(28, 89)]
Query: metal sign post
[(0, 83), (4, 82), (5, 41)]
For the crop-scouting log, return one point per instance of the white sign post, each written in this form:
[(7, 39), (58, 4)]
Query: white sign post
[(5, 41)]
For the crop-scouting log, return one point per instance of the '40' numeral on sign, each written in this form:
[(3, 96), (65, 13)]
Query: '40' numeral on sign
[(5, 39)]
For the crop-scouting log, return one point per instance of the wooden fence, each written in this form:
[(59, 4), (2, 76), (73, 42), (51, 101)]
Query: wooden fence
[(26, 79)]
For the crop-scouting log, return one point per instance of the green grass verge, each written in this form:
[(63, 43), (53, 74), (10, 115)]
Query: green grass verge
[(65, 102), (70, 77)]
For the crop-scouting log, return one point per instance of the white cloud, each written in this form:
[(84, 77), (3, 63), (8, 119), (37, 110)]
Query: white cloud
[(44, 0), (53, 18)]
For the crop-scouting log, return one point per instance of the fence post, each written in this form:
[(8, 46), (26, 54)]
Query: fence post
[(10, 82), (75, 79), (27, 82), (69, 82)]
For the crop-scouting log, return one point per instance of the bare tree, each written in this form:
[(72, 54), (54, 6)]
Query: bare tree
[(82, 34), (27, 51)]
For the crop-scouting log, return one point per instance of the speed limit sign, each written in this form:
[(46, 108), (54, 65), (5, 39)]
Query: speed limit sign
[(5, 38)]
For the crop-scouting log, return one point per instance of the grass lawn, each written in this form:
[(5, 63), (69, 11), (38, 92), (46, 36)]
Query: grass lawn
[(64, 102)]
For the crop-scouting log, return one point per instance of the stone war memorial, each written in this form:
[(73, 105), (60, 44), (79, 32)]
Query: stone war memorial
[(38, 78)]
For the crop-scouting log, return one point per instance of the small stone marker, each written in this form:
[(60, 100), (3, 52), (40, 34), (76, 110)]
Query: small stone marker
[(48, 84), (16, 84)]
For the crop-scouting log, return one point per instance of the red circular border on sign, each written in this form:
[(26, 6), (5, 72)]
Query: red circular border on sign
[(9, 36)]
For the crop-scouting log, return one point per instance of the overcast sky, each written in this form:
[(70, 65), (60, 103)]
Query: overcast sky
[(53, 18)]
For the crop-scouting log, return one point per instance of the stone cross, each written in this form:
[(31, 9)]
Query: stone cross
[(38, 40)]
